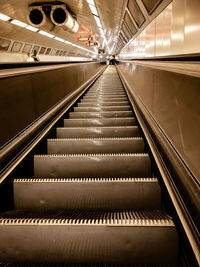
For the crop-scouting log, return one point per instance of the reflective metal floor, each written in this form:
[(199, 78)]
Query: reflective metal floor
[(93, 198)]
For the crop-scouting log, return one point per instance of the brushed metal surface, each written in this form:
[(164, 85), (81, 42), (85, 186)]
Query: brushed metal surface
[(87, 194), (95, 165), (92, 132), (102, 109), (93, 122), (94, 146), (110, 114), (173, 101)]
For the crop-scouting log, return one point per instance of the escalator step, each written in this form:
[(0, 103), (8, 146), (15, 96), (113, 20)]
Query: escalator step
[(98, 145), (105, 104), (108, 114), (92, 165), (105, 96), (87, 194), (124, 237), (102, 100), (99, 122), (102, 109), (92, 132)]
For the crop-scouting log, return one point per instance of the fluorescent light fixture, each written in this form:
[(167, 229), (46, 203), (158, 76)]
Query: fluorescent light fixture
[(98, 21), (4, 17), (59, 39), (19, 23), (91, 2), (46, 34), (93, 10), (66, 42), (31, 28), (101, 31)]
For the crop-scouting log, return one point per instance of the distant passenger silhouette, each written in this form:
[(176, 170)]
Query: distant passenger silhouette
[(35, 56)]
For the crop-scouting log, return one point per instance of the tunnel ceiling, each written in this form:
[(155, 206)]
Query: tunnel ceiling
[(110, 13)]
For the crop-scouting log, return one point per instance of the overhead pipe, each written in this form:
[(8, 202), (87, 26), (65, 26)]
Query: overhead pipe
[(61, 17)]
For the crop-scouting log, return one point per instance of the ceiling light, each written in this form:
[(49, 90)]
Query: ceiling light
[(59, 39), (91, 2), (101, 31), (31, 28), (98, 21), (46, 34), (94, 10), (19, 23), (66, 42), (4, 17)]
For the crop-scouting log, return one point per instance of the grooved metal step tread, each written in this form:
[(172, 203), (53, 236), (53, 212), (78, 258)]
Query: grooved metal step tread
[(87, 194), (8, 264), (89, 104), (83, 237), (93, 132), (98, 145), (108, 114), (92, 165), (105, 96), (102, 100), (99, 122), (102, 109), (115, 218)]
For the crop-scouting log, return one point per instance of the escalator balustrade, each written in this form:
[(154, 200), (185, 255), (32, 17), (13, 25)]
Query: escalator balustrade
[(93, 198)]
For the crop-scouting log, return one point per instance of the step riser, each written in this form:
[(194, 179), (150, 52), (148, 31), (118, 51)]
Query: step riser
[(97, 132), (86, 195), (105, 104), (86, 115), (103, 109), (99, 122), (110, 99), (95, 146), (96, 244), (92, 166)]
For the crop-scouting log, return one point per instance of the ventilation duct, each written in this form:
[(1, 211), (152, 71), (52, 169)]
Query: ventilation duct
[(61, 17), (36, 17)]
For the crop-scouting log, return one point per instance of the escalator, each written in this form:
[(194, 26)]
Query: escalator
[(94, 198)]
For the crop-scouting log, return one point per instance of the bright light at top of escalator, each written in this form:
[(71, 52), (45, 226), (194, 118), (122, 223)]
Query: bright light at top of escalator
[(4, 17)]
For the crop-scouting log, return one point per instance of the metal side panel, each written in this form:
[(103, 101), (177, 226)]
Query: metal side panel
[(87, 194), (103, 238), (92, 122), (97, 145), (95, 165), (92, 132)]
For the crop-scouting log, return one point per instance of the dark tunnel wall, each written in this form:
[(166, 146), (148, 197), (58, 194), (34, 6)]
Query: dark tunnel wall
[(172, 99), (26, 97)]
